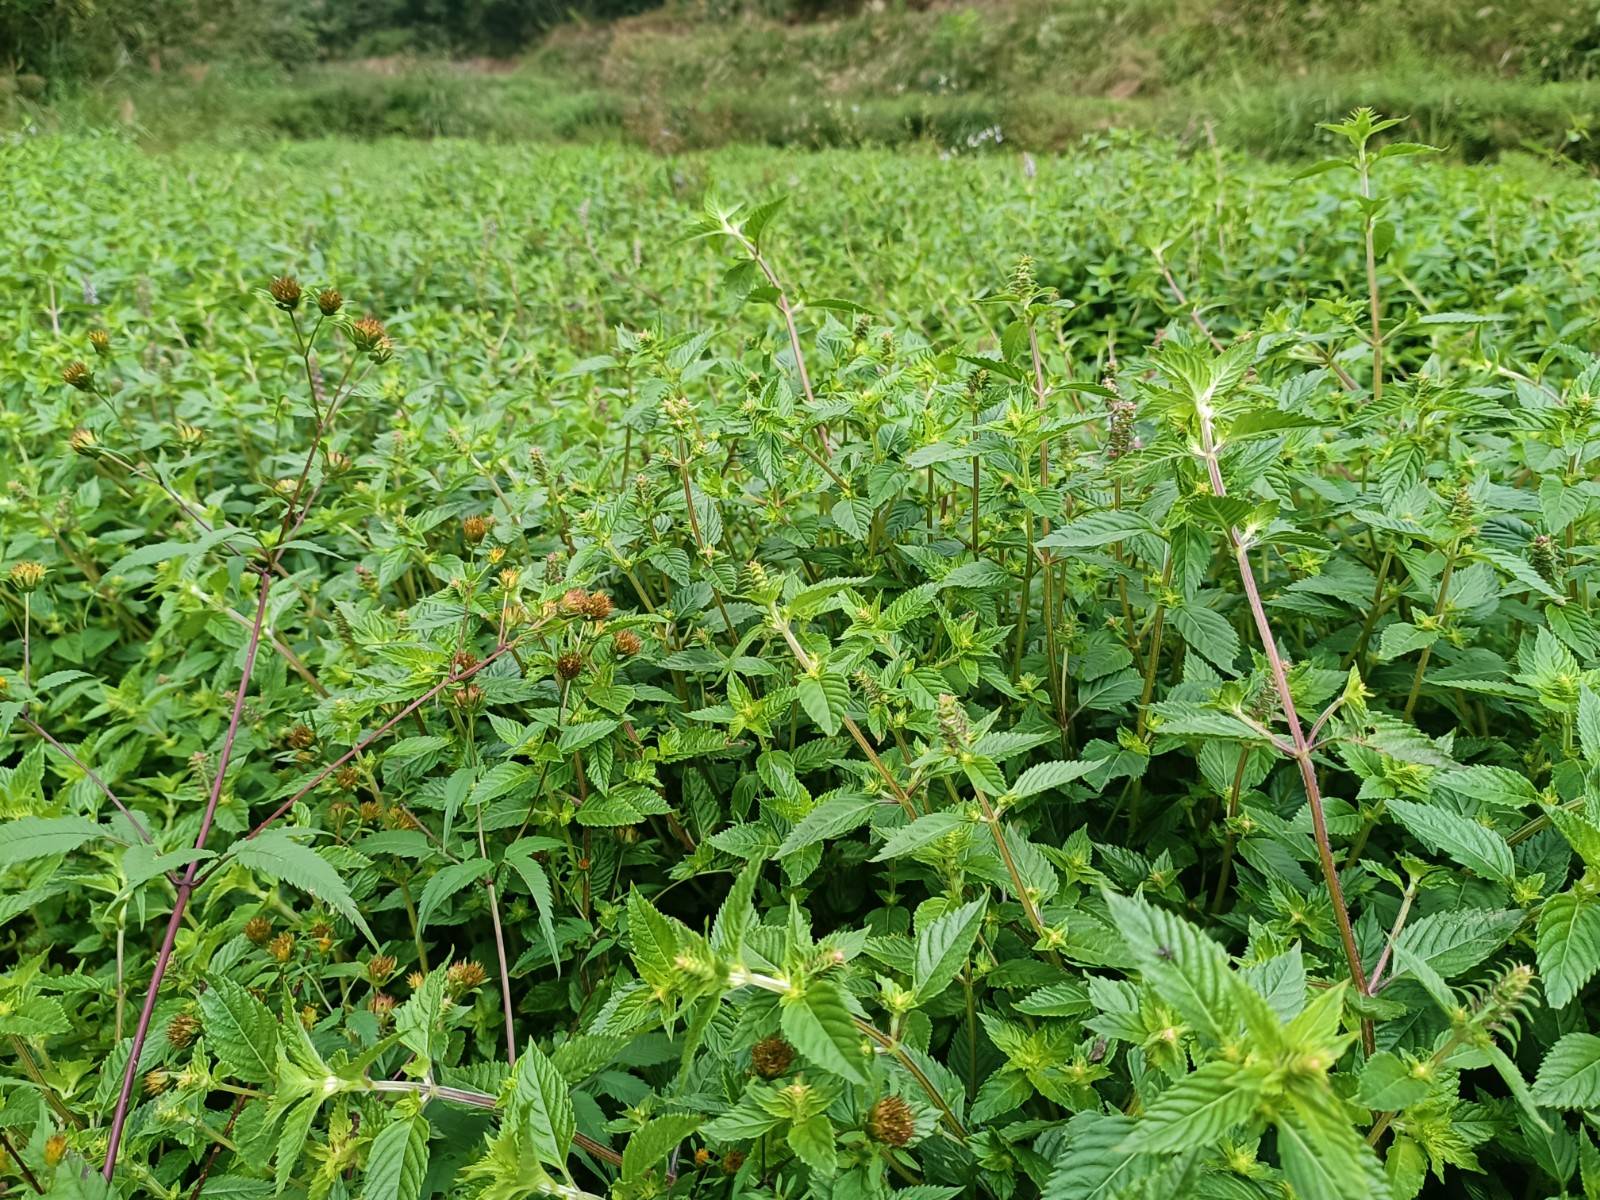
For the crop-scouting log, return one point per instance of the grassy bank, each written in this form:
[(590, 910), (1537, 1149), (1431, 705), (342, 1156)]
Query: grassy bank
[(1039, 74)]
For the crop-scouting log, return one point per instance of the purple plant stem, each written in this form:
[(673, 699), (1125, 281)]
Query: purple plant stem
[(1301, 747), (376, 734), (187, 885), (40, 732)]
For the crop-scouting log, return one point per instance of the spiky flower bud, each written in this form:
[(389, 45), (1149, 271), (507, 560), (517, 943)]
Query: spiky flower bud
[(182, 1029), (626, 643), (890, 1122), (281, 948), (1545, 557), (474, 529), (541, 465), (77, 374), (301, 737), (329, 301), (573, 601), (285, 292), (156, 1082), (83, 441), (382, 1005), (347, 779), (954, 726), (27, 576), (258, 929), (380, 967), (464, 976), (467, 698), (101, 341), (1022, 278), (1119, 427), (367, 333), (569, 665), (771, 1057), (597, 606)]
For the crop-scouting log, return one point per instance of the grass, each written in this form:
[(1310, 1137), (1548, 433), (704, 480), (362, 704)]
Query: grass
[(1039, 73)]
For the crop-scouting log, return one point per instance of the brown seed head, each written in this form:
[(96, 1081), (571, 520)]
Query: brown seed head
[(302, 737), (380, 967), (329, 301), (182, 1029), (281, 948), (467, 697), (732, 1161), (569, 665), (156, 1082), (258, 929), (463, 662), (370, 811), (285, 292), (474, 529), (890, 1122), (627, 643), (573, 601), (77, 374), (597, 606), (348, 778), (382, 1004), (771, 1057)]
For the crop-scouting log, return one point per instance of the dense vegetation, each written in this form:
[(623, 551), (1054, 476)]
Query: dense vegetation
[(1476, 79), (1071, 677)]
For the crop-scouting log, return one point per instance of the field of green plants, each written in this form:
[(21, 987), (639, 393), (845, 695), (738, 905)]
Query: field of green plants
[(567, 672)]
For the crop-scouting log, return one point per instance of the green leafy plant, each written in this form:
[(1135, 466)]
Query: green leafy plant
[(1079, 729)]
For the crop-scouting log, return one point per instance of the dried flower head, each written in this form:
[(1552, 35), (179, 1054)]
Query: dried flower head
[(468, 697), (367, 333), (627, 643), (347, 779), (597, 606), (732, 1161), (771, 1057), (26, 576), (77, 374), (474, 529), (890, 1122), (464, 976), (380, 967), (258, 929), (281, 948), (382, 1005), (156, 1082), (329, 301), (573, 601), (569, 665), (285, 292), (301, 737), (183, 1029)]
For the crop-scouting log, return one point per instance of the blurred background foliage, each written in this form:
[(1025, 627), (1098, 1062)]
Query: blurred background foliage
[(1251, 74)]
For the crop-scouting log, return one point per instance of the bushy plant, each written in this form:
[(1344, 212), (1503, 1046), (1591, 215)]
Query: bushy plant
[(1118, 744)]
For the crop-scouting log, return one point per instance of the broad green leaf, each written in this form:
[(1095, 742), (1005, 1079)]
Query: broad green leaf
[(541, 1107), (397, 1160), (1568, 945), (1199, 1109), (1569, 1076), (40, 837), (819, 1025), (240, 1030), (943, 945), (279, 857), (1480, 850)]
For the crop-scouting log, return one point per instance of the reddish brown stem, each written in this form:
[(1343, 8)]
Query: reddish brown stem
[(1301, 748), (187, 885)]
